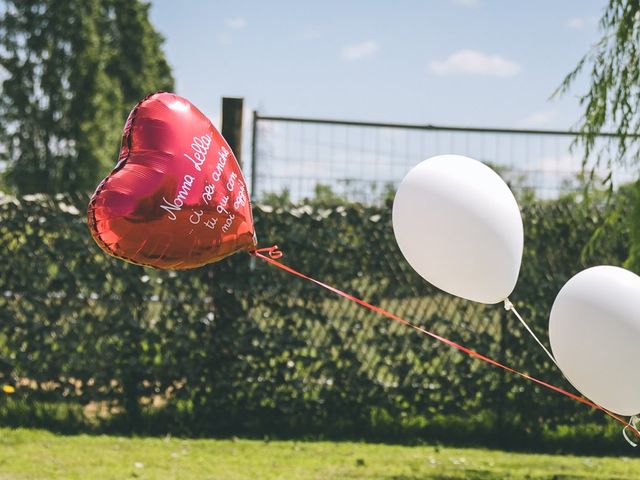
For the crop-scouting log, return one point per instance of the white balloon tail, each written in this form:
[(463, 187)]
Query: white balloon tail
[(508, 306), (634, 422)]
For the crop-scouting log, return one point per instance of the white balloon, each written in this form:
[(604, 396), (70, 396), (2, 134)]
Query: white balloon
[(594, 331), (459, 226)]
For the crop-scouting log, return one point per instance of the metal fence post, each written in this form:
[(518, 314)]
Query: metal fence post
[(254, 149), (232, 124)]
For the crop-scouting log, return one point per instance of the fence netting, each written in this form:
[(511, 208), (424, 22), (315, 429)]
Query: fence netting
[(362, 162)]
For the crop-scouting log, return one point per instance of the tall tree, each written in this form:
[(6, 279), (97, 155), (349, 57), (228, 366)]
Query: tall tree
[(71, 70), (612, 101)]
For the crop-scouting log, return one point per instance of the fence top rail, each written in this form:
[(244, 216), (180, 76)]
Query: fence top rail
[(446, 128)]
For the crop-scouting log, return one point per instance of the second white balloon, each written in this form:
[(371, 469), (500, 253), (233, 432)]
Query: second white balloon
[(459, 226)]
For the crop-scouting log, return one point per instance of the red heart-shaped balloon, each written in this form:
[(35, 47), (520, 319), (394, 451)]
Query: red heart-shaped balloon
[(177, 198)]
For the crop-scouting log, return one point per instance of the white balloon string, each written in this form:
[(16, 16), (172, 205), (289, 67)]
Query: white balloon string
[(509, 307), (633, 423)]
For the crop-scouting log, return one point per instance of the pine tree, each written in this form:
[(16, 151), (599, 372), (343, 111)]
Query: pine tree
[(71, 70)]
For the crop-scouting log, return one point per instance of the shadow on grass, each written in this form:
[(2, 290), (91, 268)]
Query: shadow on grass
[(479, 431)]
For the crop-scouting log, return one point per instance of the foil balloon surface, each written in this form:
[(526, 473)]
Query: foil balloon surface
[(177, 198)]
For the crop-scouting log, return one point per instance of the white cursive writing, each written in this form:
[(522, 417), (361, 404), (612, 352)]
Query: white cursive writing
[(228, 223), (222, 161), (231, 182), (241, 199), (200, 148), (181, 197)]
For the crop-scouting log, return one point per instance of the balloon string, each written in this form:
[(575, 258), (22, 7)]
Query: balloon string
[(273, 253), (633, 424), (508, 306)]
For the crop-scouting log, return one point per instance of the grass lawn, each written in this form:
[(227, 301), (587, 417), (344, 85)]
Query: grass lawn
[(31, 454)]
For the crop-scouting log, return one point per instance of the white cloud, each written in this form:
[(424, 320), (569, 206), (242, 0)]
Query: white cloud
[(467, 3), (472, 62), (576, 23), (236, 23), (539, 119), (359, 51)]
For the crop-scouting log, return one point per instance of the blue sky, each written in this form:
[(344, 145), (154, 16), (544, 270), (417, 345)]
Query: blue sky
[(455, 62)]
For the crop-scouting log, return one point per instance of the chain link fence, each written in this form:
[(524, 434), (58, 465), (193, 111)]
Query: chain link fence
[(359, 161)]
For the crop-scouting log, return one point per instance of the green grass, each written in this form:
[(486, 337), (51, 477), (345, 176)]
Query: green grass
[(35, 454)]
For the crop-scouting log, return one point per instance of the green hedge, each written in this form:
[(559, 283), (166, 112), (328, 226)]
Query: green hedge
[(240, 347)]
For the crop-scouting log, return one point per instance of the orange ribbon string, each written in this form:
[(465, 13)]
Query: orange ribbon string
[(273, 253)]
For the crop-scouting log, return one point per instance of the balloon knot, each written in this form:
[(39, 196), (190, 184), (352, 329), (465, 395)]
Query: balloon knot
[(274, 252), (507, 304)]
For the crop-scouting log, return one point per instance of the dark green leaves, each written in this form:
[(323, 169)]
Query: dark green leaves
[(72, 70)]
